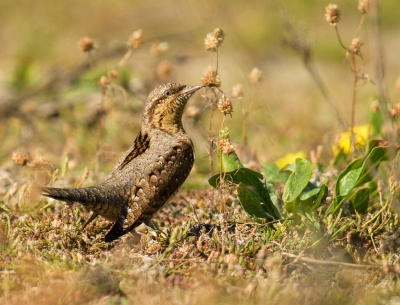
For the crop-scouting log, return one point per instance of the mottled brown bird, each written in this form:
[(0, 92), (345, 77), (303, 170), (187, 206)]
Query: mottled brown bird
[(149, 173)]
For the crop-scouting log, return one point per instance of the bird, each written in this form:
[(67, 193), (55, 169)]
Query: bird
[(149, 173)]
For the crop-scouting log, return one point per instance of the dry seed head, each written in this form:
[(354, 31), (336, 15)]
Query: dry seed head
[(20, 159), (237, 91), (255, 75), (112, 74), (374, 107), (135, 40), (40, 163), (332, 14), (158, 49), (363, 6), (211, 78), (104, 81), (211, 43), (225, 146), (219, 34), (355, 46), (394, 186), (164, 70), (214, 40), (395, 111), (86, 44), (225, 105)]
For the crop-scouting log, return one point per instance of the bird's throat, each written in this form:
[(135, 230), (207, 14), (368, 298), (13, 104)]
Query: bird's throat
[(168, 117)]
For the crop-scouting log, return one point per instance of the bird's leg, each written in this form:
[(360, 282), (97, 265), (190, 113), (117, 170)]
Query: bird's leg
[(150, 224), (118, 228), (90, 219)]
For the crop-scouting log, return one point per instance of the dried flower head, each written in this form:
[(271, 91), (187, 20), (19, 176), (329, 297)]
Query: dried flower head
[(158, 49), (395, 111), (211, 78), (237, 91), (374, 107), (135, 40), (40, 162), (332, 14), (224, 105), (164, 70), (363, 6), (355, 46), (104, 81), (225, 146), (19, 158), (86, 44), (112, 74), (214, 40), (255, 75), (211, 43)]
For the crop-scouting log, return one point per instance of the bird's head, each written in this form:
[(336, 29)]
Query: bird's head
[(165, 105)]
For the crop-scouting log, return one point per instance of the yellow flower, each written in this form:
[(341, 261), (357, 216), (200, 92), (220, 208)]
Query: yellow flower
[(290, 158), (361, 134)]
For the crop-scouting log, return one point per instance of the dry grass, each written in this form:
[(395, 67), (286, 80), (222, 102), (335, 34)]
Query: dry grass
[(67, 126)]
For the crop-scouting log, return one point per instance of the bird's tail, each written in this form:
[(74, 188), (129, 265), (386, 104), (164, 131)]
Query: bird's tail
[(88, 196)]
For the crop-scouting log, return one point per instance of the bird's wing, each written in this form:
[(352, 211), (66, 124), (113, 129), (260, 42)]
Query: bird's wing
[(141, 144)]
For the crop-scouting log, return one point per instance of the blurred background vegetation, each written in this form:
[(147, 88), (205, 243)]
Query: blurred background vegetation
[(49, 105)]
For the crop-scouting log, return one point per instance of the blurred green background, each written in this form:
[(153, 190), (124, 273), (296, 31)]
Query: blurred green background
[(287, 114)]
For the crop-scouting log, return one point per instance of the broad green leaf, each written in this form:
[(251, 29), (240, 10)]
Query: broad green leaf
[(297, 180), (376, 123), (348, 181), (309, 194), (310, 200), (360, 199), (352, 166), (244, 175), (273, 174), (372, 144), (290, 167), (250, 201), (249, 178), (272, 194), (372, 161), (229, 162), (360, 172)]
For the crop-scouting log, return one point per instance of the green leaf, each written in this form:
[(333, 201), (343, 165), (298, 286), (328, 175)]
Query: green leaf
[(273, 174), (297, 180), (376, 123), (310, 200), (245, 175), (360, 172), (290, 167), (352, 166), (360, 199), (250, 201), (229, 162), (348, 181), (252, 179)]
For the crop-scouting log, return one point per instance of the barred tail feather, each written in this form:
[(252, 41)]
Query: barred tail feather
[(85, 196)]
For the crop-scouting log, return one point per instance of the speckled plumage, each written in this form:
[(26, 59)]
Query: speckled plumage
[(151, 170)]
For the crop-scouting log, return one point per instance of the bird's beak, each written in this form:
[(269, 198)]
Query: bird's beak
[(189, 90)]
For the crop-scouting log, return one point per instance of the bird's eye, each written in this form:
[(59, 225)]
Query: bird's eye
[(167, 93)]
